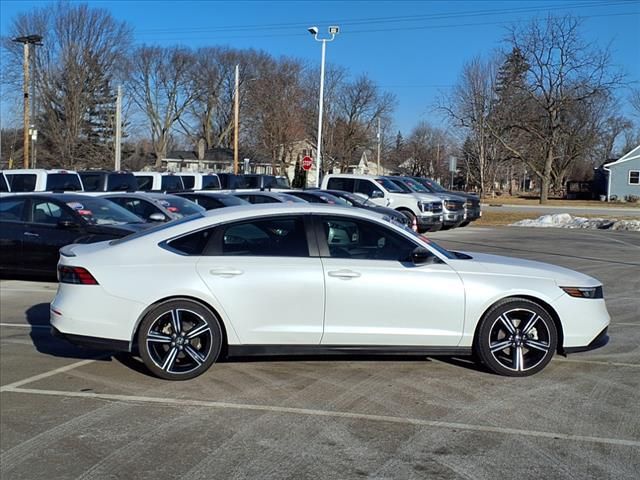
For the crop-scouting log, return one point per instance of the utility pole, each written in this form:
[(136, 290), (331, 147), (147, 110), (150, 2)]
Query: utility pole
[(118, 142), (236, 121), (379, 142), (26, 41)]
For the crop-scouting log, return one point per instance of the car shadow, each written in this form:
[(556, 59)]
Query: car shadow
[(38, 317)]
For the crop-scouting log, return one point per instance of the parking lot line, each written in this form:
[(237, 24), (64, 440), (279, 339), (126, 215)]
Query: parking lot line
[(50, 373), (597, 362), (324, 413), (23, 325)]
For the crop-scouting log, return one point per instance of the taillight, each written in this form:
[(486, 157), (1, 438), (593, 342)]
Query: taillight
[(75, 275)]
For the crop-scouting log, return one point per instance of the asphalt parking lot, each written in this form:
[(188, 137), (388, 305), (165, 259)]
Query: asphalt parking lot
[(71, 413)]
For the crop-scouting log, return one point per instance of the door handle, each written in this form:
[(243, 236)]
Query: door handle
[(31, 234), (345, 274), (225, 272)]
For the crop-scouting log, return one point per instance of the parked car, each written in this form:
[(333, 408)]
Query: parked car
[(317, 196), (4, 185), (33, 227), (213, 200), (472, 206), (41, 180), (200, 181), (453, 212), (155, 207), (108, 181), (158, 182), (312, 279), (425, 209), (357, 201), (267, 197)]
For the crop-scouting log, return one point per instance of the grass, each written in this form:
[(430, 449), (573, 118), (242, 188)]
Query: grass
[(502, 200), (496, 219)]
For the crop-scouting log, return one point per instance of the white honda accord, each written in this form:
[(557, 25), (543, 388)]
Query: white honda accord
[(294, 279)]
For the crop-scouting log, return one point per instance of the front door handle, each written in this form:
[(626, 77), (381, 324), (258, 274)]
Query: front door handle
[(225, 272), (31, 234), (344, 274)]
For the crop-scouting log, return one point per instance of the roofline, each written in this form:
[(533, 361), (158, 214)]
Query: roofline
[(632, 155)]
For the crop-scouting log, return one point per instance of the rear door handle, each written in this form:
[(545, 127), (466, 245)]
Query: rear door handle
[(344, 274), (31, 234), (225, 272)]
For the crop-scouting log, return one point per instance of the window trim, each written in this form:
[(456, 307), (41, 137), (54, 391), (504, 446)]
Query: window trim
[(629, 177)]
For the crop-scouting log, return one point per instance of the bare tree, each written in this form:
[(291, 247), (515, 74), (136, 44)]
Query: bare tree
[(161, 85)]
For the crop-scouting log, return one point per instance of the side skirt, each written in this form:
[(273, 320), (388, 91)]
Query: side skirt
[(305, 350)]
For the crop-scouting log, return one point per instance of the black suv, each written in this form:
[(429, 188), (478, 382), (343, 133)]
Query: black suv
[(104, 181)]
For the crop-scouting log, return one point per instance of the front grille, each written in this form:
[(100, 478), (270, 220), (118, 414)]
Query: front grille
[(453, 205)]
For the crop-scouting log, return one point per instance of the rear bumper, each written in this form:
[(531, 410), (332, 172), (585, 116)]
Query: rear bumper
[(93, 342)]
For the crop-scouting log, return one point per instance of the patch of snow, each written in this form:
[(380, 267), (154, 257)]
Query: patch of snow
[(565, 220)]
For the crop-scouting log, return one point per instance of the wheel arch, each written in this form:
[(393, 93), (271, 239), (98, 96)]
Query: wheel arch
[(225, 337), (541, 303)]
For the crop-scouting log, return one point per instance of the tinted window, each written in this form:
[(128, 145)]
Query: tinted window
[(280, 237), (171, 182), (261, 199), (44, 211), (359, 239), (119, 182), (91, 181), (63, 181), (145, 182), (21, 182), (141, 208), (231, 201), (210, 182), (346, 184), (367, 187), (209, 203), (11, 209), (179, 206), (188, 181), (392, 187), (98, 211), (4, 186), (192, 244)]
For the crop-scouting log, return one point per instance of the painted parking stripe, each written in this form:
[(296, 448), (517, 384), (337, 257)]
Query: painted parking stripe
[(327, 413), (598, 362), (50, 373), (23, 325)]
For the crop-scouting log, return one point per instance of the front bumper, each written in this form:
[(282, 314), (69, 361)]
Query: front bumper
[(600, 341), (473, 214), (430, 223), (452, 219)]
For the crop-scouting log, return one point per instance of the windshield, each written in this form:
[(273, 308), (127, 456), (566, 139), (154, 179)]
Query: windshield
[(282, 182), (433, 185), (400, 184), (97, 211), (443, 251), (415, 186), (181, 207), (391, 186)]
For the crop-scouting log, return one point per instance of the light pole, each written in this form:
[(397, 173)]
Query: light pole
[(333, 31), (26, 41)]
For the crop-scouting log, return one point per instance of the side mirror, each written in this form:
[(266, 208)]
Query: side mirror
[(157, 217), (377, 194), (421, 256), (67, 224)]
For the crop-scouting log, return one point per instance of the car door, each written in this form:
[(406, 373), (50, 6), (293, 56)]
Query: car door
[(44, 236), (376, 296), (12, 212), (267, 279)]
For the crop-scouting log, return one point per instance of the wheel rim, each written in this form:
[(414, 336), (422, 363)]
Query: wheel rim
[(520, 339), (179, 341)]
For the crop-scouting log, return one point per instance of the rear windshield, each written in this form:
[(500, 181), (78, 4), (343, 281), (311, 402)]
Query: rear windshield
[(91, 181), (121, 182), (63, 181), (180, 206), (22, 182), (145, 182), (98, 211), (209, 182), (171, 182), (188, 181)]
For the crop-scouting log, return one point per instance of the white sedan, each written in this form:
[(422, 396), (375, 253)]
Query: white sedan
[(292, 279)]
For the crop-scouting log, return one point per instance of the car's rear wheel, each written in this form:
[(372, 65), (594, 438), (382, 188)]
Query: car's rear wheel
[(517, 338), (179, 339)]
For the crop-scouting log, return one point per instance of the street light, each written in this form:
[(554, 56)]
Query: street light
[(29, 131), (333, 31)]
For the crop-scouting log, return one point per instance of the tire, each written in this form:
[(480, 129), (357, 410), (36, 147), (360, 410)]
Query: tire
[(516, 338), (179, 339)]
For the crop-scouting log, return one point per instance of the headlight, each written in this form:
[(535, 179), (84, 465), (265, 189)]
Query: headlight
[(584, 292)]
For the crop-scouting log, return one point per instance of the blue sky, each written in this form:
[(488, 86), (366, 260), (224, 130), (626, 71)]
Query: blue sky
[(414, 49)]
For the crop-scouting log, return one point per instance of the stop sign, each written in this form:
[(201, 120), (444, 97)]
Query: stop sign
[(307, 163)]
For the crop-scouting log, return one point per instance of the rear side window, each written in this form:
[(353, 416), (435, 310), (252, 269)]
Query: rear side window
[(63, 181), (145, 182), (188, 181), (21, 182), (171, 182), (91, 181), (272, 237), (344, 184), (210, 182), (121, 182), (193, 243), (11, 209)]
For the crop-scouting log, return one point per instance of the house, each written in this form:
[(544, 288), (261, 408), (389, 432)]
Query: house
[(624, 177)]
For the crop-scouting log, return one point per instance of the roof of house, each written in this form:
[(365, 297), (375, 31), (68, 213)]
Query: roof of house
[(632, 155)]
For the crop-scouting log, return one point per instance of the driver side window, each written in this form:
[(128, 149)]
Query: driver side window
[(367, 188), (360, 239)]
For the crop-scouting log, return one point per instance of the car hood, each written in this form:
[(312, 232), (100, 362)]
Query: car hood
[(500, 265)]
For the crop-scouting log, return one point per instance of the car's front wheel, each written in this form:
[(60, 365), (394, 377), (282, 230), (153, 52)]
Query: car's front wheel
[(516, 338), (179, 339)]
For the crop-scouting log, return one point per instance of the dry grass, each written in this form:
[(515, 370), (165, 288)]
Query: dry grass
[(494, 219), (502, 200)]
